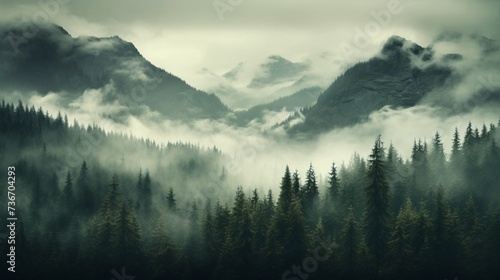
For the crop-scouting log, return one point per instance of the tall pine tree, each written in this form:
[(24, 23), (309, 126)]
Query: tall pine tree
[(376, 216)]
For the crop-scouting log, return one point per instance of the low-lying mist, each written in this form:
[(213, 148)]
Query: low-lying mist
[(258, 155)]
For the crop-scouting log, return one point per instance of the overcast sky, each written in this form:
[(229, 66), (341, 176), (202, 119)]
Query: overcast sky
[(183, 36)]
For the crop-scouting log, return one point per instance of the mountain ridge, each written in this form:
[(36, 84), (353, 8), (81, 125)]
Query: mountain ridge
[(53, 61), (402, 75)]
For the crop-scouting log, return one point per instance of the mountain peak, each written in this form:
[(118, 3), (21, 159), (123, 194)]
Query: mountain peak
[(277, 58), (397, 44), (17, 34), (54, 61), (277, 69), (390, 80)]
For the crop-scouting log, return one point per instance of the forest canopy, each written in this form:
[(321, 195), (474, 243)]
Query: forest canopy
[(87, 206)]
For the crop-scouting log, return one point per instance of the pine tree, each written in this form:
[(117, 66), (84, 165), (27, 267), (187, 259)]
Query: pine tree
[(271, 263), (66, 203), (317, 239), (492, 238), (349, 240), (208, 234), (193, 236), (484, 133), (470, 152), (296, 183), (377, 205), (171, 202), (469, 137), (85, 194), (127, 242), (221, 224), (420, 164), (456, 155), (401, 241), (310, 196), (260, 222), (285, 197), (332, 202), (146, 194), (438, 158), (254, 200), (36, 199), (236, 254), (270, 204), (67, 193), (139, 187), (334, 185), (295, 242), (103, 231), (473, 240), (441, 225), (164, 261)]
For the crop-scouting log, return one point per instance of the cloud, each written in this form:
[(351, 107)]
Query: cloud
[(474, 60), (183, 36), (93, 46), (134, 69), (256, 155)]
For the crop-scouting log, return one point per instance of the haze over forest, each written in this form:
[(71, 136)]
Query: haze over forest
[(133, 125)]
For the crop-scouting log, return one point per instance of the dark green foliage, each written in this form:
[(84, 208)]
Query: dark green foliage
[(296, 183), (286, 192), (349, 247), (171, 202), (295, 241), (376, 217), (309, 196), (85, 199), (401, 251), (331, 203), (82, 218), (437, 158)]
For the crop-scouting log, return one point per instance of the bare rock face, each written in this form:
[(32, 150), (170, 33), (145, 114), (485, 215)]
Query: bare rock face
[(53, 61), (389, 79)]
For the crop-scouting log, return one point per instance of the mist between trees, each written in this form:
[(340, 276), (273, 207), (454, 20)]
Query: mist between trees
[(152, 208)]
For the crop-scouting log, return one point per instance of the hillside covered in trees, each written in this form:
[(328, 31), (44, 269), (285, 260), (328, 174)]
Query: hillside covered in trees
[(88, 207)]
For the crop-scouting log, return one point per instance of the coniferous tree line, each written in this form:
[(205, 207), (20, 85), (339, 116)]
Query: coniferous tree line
[(432, 216)]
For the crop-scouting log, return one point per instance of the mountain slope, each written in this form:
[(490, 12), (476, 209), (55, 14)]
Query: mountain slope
[(277, 70), (389, 79), (53, 61), (303, 98)]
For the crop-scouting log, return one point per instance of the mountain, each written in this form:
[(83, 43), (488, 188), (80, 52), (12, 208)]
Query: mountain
[(277, 70), (256, 82), (233, 74), (303, 98), (402, 75), (53, 61)]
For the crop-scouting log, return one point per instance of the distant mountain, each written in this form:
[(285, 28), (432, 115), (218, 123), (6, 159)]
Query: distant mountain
[(53, 61), (277, 70), (303, 98), (400, 76), (233, 74), (261, 81)]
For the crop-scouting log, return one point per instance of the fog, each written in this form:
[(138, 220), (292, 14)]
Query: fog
[(259, 152), (257, 156)]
